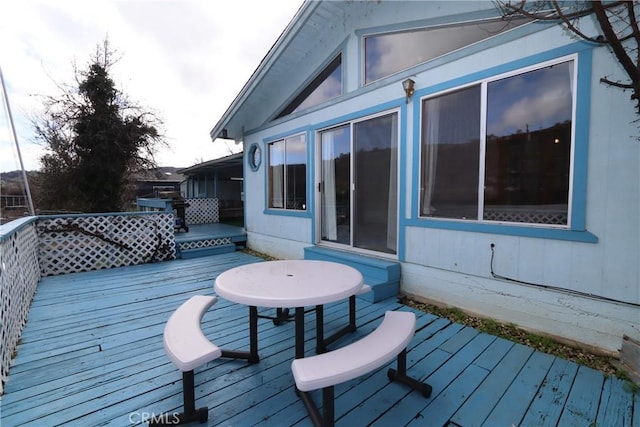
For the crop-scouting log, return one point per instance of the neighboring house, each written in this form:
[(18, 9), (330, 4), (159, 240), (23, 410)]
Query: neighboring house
[(219, 178), (152, 182), (505, 183)]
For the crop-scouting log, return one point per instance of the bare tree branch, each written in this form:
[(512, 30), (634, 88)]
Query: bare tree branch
[(635, 31), (614, 42), (616, 84), (617, 20)]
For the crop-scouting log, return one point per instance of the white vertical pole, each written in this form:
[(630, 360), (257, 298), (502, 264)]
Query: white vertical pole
[(15, 139)]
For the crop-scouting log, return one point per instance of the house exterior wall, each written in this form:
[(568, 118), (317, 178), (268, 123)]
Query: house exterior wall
[(208, 186), (581, 285)]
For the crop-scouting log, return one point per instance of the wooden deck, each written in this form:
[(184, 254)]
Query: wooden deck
[(208, 231), (91, 354), (209, 239)]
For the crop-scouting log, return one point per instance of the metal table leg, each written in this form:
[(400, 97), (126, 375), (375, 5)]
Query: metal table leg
[(253, 334), (323, 342), (252, 355), (299, 319), (321, 346)]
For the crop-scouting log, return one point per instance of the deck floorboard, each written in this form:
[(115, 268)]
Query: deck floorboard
[(91, 354)]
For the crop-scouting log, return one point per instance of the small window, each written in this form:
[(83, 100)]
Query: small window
[(288, 173), (254, 157), (518, 170), (327, 85), (386, 54)]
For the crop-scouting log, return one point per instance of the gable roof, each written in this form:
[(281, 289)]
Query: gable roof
[(312, 39)]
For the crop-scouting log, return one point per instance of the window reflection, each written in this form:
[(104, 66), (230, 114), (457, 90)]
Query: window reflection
[(336, 184), (276, 174), (386, 54), (328, 89), (296, 176), (529, 146), (451, 155), (288, 173), (527, 154), (327, 85), (376, 178)]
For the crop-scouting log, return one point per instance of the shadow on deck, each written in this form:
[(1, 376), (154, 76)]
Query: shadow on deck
[(92, 354)]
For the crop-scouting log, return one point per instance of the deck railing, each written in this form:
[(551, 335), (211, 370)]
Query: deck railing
[(34, 247), (19, 277), (200, 210), (74, 243)]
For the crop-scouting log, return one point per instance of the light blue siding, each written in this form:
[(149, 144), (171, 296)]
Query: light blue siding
[(589, 272)]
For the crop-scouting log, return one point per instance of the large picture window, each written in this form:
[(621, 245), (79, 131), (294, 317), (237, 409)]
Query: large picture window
[(288, 173), (500, 150)]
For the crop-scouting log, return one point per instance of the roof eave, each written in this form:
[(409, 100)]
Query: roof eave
[(220, 129), (231, 159)]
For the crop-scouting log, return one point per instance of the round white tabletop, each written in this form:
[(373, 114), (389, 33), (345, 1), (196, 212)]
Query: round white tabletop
[(288, 283)]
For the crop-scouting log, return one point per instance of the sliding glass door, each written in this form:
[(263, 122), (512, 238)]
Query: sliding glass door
[(335, 185), (359, 184)]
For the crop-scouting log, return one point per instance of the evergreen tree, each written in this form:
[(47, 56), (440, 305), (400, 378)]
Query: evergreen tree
[(95, 139)]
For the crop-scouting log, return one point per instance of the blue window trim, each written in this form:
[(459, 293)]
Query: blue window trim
[(402, 182), (252, 149), (395, 104), (491, 42), (310, 132), (377, 109), (578, 231), (308, 213)]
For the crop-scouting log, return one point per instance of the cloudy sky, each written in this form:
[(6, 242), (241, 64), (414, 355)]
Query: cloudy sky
[(186, 60)]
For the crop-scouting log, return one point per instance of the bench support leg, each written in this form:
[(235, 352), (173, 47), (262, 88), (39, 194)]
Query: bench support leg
[(252, 355), (190, 413), (321, 342), (327, 417), (400, 375), (328, 407)]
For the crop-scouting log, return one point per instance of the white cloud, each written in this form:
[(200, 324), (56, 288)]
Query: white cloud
[(185, 60), (534, 100)]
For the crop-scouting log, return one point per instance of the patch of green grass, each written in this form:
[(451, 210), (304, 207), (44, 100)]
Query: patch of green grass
[(629, 385), (259, 254), (539, 341), (458, 315)]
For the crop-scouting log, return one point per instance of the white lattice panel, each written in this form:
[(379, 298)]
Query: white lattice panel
[(19, 277), (83, 243), (206, 243), (202, 211), (541, 217)]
